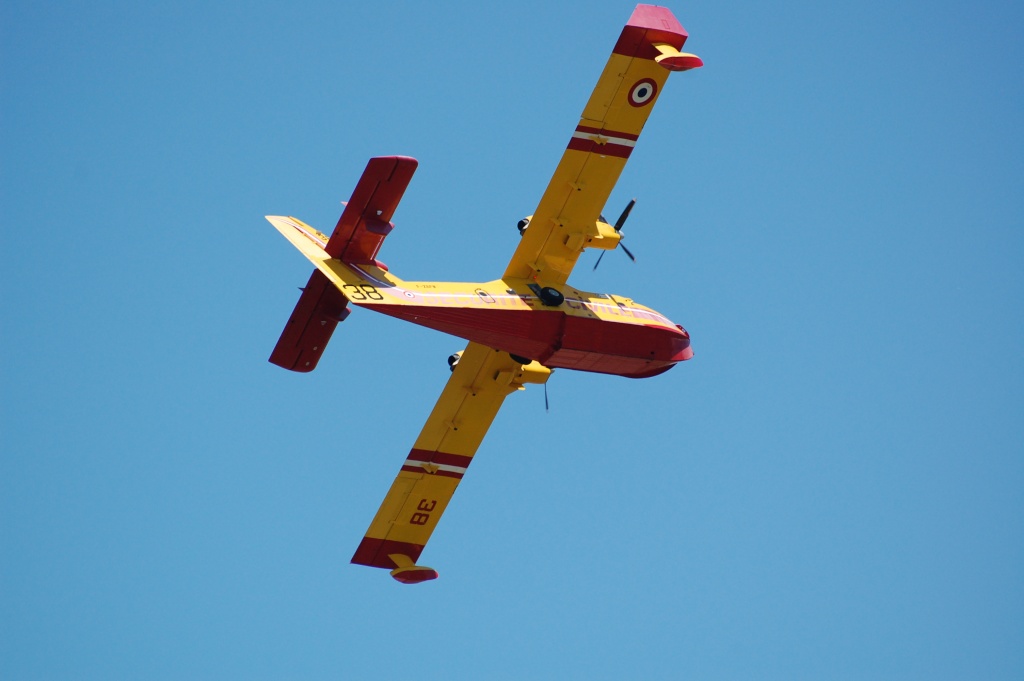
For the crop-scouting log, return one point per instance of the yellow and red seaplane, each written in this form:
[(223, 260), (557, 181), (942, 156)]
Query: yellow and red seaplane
[(519, 327)]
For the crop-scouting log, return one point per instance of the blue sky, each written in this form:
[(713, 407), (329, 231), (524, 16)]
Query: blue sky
[(833, 488)]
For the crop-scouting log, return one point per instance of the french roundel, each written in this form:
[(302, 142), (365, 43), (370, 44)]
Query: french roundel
[(643, 92)]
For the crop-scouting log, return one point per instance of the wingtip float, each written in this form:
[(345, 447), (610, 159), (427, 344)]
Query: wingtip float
[(519, 327)]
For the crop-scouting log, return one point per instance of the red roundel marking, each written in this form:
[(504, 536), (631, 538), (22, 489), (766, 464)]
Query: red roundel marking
[(643, 92)]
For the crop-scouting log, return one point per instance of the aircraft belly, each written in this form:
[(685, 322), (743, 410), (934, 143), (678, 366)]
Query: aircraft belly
[(528, 333), (556, 339), (633, 350)]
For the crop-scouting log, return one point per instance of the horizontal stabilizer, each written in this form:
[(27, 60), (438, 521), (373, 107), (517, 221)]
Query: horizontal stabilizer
[(321, 306), (366, 219)]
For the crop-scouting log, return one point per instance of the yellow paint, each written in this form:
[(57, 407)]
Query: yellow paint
[(457, 425), (583, 181)]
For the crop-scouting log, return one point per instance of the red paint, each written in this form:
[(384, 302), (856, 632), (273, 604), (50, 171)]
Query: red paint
[(558, 340), (648, 25), (444, 458), (607, 149), (365, 222), (375, 552), (528, 333), (414, 575), (682, 62), (321, 306), (643, 92)]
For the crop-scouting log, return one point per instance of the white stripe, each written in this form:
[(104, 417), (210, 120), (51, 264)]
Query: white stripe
[(312, 236), (621, 141), (440, 466)]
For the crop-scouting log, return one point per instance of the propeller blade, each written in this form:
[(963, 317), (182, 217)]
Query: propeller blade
[(623, 247), (618, 228), (625, 214), (546, 396)]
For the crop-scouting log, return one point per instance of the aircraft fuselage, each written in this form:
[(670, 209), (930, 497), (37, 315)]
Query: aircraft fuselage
[(594, 332)]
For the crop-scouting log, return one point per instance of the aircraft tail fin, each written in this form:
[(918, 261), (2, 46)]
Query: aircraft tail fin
[(364, 223)]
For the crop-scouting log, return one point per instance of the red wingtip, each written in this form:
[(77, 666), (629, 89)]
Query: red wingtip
[(652, 17), (647, 26)]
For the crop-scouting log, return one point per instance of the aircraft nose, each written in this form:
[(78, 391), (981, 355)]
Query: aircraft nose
[(681, 346)]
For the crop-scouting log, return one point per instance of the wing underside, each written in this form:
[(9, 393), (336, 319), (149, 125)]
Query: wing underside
[(566, 220), (442, 453)]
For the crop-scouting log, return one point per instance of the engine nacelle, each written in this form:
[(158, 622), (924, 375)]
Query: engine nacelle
[(453, 360)]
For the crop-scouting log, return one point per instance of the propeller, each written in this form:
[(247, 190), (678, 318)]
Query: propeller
[(618, 228)]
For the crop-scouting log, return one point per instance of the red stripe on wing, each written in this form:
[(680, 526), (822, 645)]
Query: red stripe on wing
[(445, 458), (592, 147)]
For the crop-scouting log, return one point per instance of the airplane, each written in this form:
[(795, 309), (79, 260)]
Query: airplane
[(520, 327)]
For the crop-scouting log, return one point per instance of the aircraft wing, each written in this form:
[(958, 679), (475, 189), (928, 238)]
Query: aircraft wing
[(439, 459), (566, 221)]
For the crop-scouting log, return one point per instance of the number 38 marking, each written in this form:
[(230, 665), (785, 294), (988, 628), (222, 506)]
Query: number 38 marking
[(423, 509), (362, 292)]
